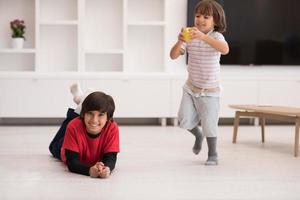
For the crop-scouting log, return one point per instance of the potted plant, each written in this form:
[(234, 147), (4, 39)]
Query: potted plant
[(18, 30)]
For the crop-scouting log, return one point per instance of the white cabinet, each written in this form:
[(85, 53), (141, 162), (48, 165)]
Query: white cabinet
[(118, 46), (34, 98), (95, 42), (142, 95), (85, 36), (176, 95), (280, 92), (249, 85), (237, 91), (136, 97), (260, 85)]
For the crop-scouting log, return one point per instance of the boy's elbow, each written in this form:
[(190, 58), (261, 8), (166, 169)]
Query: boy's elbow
[(225, 51), (71, 169), (172, 56)]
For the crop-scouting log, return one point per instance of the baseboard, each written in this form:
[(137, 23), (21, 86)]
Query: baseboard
[(126, 121)]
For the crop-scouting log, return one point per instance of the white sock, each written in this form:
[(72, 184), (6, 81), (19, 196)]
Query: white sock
[(76, 92)]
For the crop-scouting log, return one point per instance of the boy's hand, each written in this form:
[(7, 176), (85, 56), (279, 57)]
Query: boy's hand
[(180, 36), (98, 170), (197, 34), (105, 172), (94, 171)]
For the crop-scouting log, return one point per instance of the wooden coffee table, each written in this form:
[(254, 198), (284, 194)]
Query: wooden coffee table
[(289, 114)]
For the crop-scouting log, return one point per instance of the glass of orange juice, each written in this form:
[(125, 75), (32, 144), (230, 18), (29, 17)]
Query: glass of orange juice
[(187, 34)]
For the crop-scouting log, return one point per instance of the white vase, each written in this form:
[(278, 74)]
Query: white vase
[(17, 43)]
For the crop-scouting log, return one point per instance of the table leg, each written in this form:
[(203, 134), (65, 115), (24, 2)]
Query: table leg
[(236, 124), (296, 148), (262, 123)]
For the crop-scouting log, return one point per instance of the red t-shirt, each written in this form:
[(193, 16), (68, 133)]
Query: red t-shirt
[(91, 150)]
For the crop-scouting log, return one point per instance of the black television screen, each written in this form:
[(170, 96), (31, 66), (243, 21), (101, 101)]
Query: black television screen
[(260, 32)]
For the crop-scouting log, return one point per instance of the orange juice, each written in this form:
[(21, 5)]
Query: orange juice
[(187, 34)]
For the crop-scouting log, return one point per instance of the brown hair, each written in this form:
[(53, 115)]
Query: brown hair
[(98, 101), (212, 8)]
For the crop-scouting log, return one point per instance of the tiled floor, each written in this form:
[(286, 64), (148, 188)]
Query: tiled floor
[(155, 163)]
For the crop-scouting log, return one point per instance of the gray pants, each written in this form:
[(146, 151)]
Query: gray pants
[(196, 107)]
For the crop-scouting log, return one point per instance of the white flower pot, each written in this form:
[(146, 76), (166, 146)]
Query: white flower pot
[(17, 43)]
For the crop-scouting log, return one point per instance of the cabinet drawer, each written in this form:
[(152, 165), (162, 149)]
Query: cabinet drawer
[(237, 92), (176, 95), (135, 97), (281, 93), (34, 98)]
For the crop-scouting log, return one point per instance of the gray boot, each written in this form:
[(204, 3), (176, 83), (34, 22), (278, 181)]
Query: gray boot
[(198, 139), (212, 151)]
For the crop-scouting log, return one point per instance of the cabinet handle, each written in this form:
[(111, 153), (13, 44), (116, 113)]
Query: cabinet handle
[(125, 79)]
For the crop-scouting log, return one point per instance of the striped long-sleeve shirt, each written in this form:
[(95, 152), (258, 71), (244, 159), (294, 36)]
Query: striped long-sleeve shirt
[(204, 62)]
